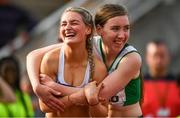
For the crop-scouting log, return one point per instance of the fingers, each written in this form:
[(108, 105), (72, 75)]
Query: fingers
[(44, 77), (100, 86), (54, 104), (48, 98), (45, 80), (57, 102), (93, 83), (55, 93)]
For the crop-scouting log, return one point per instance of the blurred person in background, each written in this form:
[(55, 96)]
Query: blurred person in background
[(27, 88), (6, 93), (161, 96), (6, 96), (14, 22), (10, 73)]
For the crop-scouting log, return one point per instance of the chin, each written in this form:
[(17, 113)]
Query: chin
[(116, 49), (68, 41)]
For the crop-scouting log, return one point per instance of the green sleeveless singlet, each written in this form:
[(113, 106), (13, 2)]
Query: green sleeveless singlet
[(132, 91)]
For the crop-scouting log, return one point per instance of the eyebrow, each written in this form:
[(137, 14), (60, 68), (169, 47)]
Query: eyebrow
[(127, 25), (120, 26), (71, 21)]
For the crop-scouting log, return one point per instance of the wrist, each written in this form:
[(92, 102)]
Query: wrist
[(78, 98), (92, 101), (73, 101), (36, 88)]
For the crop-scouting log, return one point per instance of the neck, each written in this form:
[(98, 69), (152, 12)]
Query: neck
[(76, 54), (109, 54)]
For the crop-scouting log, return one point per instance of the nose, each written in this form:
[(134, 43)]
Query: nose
[(159, 60), (121, 34), (68, 26)]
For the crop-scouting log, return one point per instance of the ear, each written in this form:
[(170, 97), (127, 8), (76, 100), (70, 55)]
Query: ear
[(99, 29), (88, 30)]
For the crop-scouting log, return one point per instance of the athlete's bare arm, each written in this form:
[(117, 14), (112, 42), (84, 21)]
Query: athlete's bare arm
[(33, 66)]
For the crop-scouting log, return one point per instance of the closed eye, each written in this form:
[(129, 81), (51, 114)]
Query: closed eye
[(126, 28), (115, 28)]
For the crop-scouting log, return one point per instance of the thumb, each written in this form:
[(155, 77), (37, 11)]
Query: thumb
[(42, 75), (46, 77), (94, 83), (100, 86), (101, 99), (55, 93)]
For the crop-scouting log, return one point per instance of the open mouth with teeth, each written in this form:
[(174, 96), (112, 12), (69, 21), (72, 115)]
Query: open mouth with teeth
[(70, 35), (117, 42)]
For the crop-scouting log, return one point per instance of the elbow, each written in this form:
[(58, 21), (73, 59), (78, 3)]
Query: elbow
[(34, 53), (44, 109), (31, 54), (29, 57)]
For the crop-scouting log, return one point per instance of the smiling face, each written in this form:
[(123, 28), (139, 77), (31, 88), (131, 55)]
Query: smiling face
[(115, 32), (73, 29)]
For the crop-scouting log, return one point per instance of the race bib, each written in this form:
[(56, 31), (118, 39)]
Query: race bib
[(118, 99)]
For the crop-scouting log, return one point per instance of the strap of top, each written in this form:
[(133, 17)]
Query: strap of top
[(61, 67), (60, 78), (96, 47), (128, 49)]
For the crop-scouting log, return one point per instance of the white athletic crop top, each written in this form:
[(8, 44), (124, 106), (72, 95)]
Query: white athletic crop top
[(60, 76)]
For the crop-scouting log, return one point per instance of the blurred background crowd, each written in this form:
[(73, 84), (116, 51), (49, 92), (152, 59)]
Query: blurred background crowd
[(28, 25)]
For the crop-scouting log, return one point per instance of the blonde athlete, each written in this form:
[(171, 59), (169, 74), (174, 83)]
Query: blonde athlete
[(73, 64)]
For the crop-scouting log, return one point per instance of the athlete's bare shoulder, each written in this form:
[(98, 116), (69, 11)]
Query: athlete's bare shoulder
[(50, 61)]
